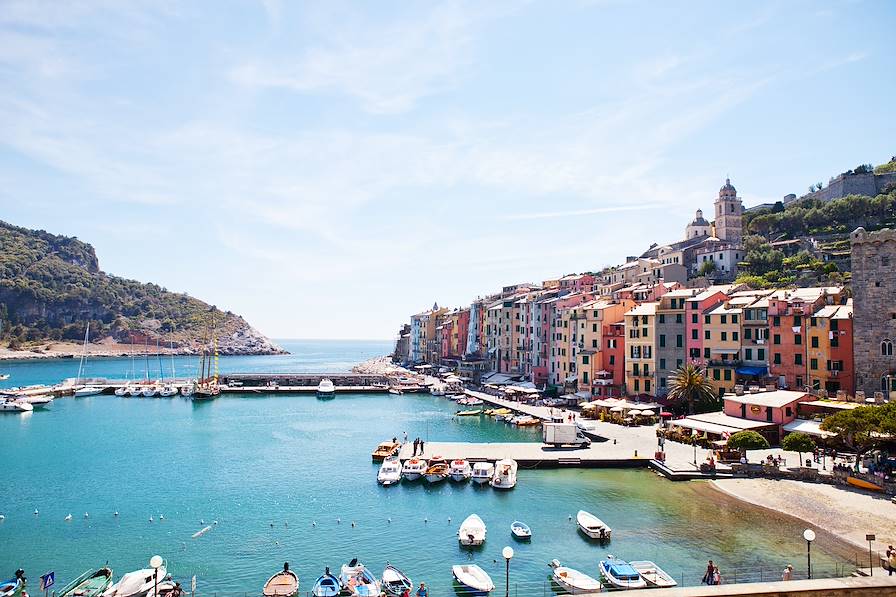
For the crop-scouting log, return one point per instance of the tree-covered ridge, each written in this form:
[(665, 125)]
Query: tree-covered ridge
[(51, 287)]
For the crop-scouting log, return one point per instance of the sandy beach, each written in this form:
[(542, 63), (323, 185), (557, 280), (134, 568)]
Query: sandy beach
[(845, 513)]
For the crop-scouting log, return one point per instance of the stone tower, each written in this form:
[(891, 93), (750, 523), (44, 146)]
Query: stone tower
[(729, 214), (873, 259)]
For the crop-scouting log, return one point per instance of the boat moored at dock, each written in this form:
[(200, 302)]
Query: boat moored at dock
[(15, 406), (620, 574), (653, 575), (395, 582), (436, 470), (390, 472), (282, 584), (358, 581), (460, 470), (10, 587), (483, 472), (413, 469), (138, 583), (90, 584), (385, 450), (505, 474), (326, 585), (573, 581), (326, 389)]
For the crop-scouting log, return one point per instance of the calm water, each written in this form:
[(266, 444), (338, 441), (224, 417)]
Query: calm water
[(290, 462)]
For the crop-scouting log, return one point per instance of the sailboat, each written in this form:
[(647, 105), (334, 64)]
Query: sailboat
[(86, 390), (207, 387)]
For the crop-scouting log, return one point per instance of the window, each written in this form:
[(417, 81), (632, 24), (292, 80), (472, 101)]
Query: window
[(706, 319), (834, 325), (678, 363), (748, 354), (748, 333), (644, 332), (716, 374), (585, 362), (662, 340), (705, 353), (694, 318), (733, 318), (593, 327), (886, 348), (777, 358), (679, 341), (776, 339), (637, 384), (724, 336), (694, 334), (760, 354), (813, 364), (662, 382), (776, 321), (662, 318), (727, 374), (694, 307), (662, 363), (835, 341), (813, 321), (584, 377), (814, 341), (678, 318), (734, 336), (797, 321), (798, 360), (612, 359), (798, 339), (647, 385), (706, 335), (724, 319)]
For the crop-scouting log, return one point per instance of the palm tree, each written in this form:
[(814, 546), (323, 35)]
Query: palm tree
[(690, 383)]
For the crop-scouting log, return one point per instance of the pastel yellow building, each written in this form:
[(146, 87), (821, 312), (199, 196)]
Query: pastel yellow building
[(640, 350)]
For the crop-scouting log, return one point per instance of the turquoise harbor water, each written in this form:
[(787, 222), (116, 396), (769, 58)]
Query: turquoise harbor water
[(278, 473)]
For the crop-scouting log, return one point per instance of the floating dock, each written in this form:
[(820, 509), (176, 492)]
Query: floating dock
[(530, 455)]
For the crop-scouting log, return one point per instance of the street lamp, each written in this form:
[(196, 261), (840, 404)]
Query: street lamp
[(507, 552), (809, 536), (155, 563)]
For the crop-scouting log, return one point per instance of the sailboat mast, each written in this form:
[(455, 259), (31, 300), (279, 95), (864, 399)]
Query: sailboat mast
[(84, 353), (159, 355), (171, 347)]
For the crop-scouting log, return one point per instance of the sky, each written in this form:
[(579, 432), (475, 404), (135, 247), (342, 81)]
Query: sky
[(327, 169)]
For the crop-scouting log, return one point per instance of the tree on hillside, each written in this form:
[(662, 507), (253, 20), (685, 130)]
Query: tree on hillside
[(799, 443), (864, 428), (747, 440), (707, 267), (690, 385)]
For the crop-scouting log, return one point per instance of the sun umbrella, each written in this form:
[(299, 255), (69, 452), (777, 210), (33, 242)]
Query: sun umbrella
[(665, 413), (616, 409)]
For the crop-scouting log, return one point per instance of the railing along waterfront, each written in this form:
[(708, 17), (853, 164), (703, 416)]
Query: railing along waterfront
[(547, 588)]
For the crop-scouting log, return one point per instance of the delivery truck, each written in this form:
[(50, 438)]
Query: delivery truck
[(563, 434)]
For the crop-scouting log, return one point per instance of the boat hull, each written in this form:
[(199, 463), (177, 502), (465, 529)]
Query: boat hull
[(863, 484)]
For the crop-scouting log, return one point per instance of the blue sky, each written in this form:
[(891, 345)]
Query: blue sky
[(326, 169)]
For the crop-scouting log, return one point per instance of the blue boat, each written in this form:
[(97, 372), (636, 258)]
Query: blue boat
[(10, 587), (621, 574), (520, 530), (326, 585)]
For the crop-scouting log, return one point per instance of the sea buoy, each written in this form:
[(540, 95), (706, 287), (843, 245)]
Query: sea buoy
[(115, 513), (36, 512), (338, 521), (2, 517), (449, 519), (86, 515), (353, 524), (272, 525), (150, 519), (214, 522), (69, 517), (161, 517), (425, 520), (389, 519)]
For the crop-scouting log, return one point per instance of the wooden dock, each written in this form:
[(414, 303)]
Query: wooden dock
[(530, 455)]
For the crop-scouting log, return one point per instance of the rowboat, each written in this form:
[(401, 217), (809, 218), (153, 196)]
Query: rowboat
[(358, 580), (385, 450), (520, 530), (472, 531), (90, 584), (395, 582), (653, 575), (863, 484), (10, 587), (282, 584), (326, 585), (473, 578), (593, 526), (572, 581), (620, 574), (494, 412), (469, 413)]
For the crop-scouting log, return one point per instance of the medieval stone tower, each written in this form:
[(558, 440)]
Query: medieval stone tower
[(874, 309), (729, 218)]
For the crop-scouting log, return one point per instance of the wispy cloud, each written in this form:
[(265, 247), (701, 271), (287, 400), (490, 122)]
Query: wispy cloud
[(580, 212)]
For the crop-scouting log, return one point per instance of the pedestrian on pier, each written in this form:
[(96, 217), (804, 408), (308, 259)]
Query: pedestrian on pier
[(421, 447), (416, 445), (405, 437), (788, 572), (707, 576)]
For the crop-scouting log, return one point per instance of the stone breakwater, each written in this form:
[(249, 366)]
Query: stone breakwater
[(380, 366)]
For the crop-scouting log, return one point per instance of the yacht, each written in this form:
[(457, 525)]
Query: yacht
[(326, 389), (15, 406), (413, 468), (472, 531), (150, 391), (460, 470), (187, 390), (483, 472), (123, 390), (390, 472), (135, 391), (167, 391), (38, 401), (505, 474), (88, 391)]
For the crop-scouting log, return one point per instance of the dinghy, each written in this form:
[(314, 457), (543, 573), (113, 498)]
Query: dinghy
[(572, 581), (460, 470), (283, 584), (520, 530), (90, 584), (358, 580), (505, 474), (472, 531), (395, 582), (326, 585), (468, 413), (473, 578), (10, 587), (390, 472), (653, 575), (138, 583), (483, 472), (593, 526), (620, 574), (413, 468)]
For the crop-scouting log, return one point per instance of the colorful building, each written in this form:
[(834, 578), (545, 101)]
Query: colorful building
[(593, 319), (640, 350), (830, 349)]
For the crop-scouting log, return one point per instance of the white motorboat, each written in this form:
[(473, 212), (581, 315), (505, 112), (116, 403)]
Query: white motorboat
[(473, 578), (167, 391), (123, 390), (620, 574), (437, 389), (520, 530), (573, 581), (483, 472), (36, 401), (326, 389), (390, 472), (472, 531), (88, 391), (413, 468), (187, 390), (358, 580), (593, 526), (137, 584), (135, 391), (460, 470), (14, 406), (653, 575), (505, 474), (4, 376), (150, 391)]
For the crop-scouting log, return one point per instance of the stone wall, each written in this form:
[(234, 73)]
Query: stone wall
[(853, 184), (873, 256)]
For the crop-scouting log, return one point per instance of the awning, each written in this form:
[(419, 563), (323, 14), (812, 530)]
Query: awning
[(751, 371), (571, 378), (703, 426), (807, 427), (738, 424)]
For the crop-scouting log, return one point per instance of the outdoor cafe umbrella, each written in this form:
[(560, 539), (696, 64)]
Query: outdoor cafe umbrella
[(616, 409)]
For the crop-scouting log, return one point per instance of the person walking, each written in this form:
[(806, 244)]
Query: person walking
[(707, 576), (788, 572), (892, 561), (716, 576)]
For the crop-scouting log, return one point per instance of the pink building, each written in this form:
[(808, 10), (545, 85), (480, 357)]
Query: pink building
[(772, 406)]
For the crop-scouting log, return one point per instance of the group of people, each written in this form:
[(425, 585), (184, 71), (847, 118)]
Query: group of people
[(421, 592), (777, 460), (418, 445), (891, 559), (712, 575)]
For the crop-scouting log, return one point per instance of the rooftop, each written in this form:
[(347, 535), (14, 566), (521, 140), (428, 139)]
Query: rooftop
[(644, 309), (773, 398)]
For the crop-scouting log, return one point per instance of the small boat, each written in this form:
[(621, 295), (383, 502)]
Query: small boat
[(573, 581), (520, 530), (10, 587), (469, 413), (150, 391), (358, 580), (123, 390), (167, 391), (326, 585), (395, 582), (436, 470), (88, 391), (187, 390), (90, 584), (385, 450), (38, 401), (326, 389), (460, 470), (15, 406), (395, 391), (593, 526), (653, 575), (138, 583), (4, 376), (863, 484), (473, 578), (528, 422), (620, 574), (437, 389), (505, 474), (283, 584), (498, 412), (483, 472), (135, 391), (472, 531), (390, 472), (413, 468)]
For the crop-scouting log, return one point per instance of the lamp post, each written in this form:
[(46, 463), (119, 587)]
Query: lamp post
[(809, 536), (155, 563), (507, 552)]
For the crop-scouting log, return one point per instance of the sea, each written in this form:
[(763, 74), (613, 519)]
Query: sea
[(290, 479)]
